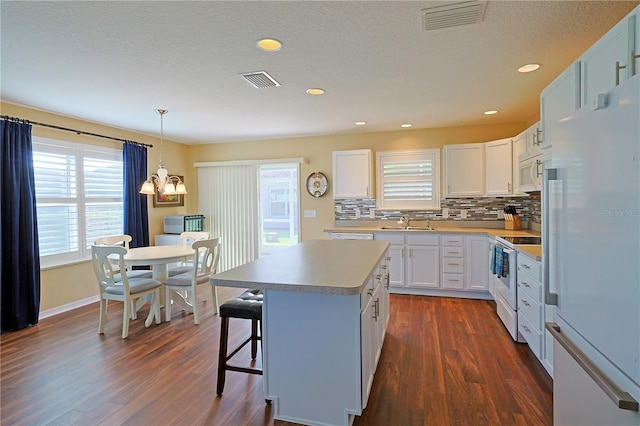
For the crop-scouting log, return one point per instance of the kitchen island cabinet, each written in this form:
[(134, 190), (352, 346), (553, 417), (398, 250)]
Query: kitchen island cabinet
[(325, 313)]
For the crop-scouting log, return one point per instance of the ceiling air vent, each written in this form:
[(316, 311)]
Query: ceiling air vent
[(453, 15), (260, 79)]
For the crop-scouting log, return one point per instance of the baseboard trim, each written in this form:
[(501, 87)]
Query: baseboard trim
[(69, 306)]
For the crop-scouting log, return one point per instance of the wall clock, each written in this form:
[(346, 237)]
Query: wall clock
[(317, 184)]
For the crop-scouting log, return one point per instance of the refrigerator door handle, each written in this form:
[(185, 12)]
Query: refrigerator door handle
[(622, 399), (550, 298)]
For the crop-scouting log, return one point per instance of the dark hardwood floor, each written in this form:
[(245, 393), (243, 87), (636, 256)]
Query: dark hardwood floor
[(444, 362)]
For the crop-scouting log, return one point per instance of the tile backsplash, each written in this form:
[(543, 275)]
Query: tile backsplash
[(477, 208)]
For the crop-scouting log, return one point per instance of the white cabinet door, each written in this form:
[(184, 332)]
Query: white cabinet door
[(601, 65), (423, 266), (397, 257), (534, 138), (464, 170), (477, 262), (498, 167), (559, 100), (353, 174), (367, 342), (396, 265)]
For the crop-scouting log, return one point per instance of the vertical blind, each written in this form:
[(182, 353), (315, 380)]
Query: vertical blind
[(228, 197)]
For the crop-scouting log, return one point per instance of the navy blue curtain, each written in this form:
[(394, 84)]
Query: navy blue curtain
[(136, 214), (20, 268)]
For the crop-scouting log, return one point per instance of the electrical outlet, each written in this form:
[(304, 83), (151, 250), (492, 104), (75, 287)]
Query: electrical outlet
[(338, 208), (463, 213), (309, 213), (357, 213), (372, 214), (445, 213), (500, 214)]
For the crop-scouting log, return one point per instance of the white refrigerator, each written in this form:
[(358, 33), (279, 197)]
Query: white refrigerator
[(591, 241)]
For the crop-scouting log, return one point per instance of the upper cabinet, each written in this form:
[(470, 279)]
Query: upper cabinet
[(353, 174), (609, 61), (559, 100), (499, 167), (464, 170)]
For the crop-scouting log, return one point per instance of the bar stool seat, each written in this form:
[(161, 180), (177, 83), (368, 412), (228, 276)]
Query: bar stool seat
[(246, 306)]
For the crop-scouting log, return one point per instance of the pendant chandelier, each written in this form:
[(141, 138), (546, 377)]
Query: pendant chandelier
[(166, 185)]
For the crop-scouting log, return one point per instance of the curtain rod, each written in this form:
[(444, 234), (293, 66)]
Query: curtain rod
[(79, 132)]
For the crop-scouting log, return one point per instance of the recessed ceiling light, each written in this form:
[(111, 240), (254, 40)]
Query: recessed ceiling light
[(360, 123), (491, 112), (315, 91), (269, 44), (406, 125), (528, 68)]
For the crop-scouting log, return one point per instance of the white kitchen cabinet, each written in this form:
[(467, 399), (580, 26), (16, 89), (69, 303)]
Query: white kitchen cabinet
[(353, 174), (533, 137), (396, 264), (423, 266), (608, 61), (499, 167), (477, 262), (373, 323), (559, 100), (530, 303), (464, 171), (452, 261), (519, 148)]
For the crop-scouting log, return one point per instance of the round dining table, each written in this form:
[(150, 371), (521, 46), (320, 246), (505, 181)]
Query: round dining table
[(159, 257)]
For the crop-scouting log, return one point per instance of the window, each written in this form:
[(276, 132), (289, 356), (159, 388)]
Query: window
[(79, 197), (278, 207), (408, 180)]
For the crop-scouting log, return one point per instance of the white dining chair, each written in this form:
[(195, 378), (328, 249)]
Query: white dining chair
[(207, 255), (126, 290), (123, 240), (188, 238)]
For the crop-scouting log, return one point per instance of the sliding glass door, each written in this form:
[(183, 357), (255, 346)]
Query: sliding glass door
[(279, 207)]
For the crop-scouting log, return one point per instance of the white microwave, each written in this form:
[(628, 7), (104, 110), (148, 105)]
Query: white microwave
[(530, 172), (182, 223)]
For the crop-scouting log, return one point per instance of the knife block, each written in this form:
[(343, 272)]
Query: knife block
[(513, 224)]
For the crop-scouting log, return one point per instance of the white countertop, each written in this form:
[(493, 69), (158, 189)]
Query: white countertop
[(440, 230), (315, 266)]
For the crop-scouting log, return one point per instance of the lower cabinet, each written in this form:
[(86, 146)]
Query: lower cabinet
[(438, 263), (374, 318), (531, 310)]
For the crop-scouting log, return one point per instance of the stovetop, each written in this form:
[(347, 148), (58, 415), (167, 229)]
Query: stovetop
[(523, 240)]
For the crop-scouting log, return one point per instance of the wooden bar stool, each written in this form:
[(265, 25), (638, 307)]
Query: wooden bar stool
[(246, 306)]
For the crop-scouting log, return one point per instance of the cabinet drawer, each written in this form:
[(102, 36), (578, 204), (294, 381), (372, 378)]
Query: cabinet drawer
[(453, 265), (532, 287), (392, 238), (423, 240), (532, 336), (452, 240), (452, 252), (367, 292), (531, 309), (530, 266), (455, 281)]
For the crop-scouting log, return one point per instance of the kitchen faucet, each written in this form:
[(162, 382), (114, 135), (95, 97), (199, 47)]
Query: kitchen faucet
[(404, 221)]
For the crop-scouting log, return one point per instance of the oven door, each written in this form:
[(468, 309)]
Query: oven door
[(505, 273)]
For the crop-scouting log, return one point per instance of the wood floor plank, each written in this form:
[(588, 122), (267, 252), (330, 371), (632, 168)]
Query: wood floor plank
[(444, 362)]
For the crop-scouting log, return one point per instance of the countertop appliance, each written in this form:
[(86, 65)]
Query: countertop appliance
[(591, 205), (351, 236), (182, 223)]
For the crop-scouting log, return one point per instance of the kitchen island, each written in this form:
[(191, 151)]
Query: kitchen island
[(325, 312)]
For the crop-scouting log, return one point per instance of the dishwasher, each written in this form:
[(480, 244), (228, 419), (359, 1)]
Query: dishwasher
[(350, 236)]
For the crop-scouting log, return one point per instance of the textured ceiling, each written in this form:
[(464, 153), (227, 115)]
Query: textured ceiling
[(115, 62)]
